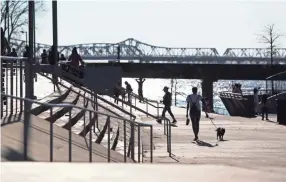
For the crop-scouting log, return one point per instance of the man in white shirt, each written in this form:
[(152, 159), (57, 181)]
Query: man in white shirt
[(194, 109)]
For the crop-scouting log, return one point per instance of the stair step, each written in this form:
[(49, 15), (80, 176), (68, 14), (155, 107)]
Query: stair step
[(59, 111)]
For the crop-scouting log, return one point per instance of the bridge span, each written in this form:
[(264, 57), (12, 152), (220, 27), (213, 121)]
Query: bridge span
[(135, 51), (149, 61)]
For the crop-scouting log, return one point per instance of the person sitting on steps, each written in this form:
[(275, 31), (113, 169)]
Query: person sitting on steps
[(167, 101), (194, 109)]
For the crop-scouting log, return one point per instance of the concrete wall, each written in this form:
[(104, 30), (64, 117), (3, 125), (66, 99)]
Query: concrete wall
[(103, 78)]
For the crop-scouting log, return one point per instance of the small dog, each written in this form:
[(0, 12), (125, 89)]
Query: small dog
[(219, 133)]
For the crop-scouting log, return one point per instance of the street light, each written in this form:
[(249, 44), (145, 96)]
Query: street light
[(26, 35)]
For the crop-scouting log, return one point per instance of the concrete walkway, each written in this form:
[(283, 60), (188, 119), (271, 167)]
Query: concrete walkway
[(63, 172), (249, 143)]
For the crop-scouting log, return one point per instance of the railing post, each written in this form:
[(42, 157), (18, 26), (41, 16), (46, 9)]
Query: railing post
[(147, 108), (132, 140), (11, 85), (164, 119), (16, 75), (6, 90), (157, 109), (51, 136), (108, 138), (29, 80), (170, 139), (130, 112), (70, 137), (151, 143), (96, 108), (21, 85), (138, 141), (167, 133), (124, 135), (90, 139)]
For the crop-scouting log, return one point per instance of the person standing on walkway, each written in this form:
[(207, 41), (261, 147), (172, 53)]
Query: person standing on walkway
[(44, 57), (140, 82), (194, 110), (264, 107), (167, 101), (14, 54), (255, 100), (129, 90), (116, 92)]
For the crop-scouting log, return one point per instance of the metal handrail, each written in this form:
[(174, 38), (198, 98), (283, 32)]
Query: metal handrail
[(167, 123), (138, 124), (9, 58), (88, 91), (145, 100)]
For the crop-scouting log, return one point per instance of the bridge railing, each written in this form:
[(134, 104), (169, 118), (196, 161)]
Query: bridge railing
[(92, 113), (250, 92)]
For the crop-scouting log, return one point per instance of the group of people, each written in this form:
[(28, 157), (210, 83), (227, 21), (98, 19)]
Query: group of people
[(236, 88), (193, 100), (74, 64), (120, 91), (74, 59)]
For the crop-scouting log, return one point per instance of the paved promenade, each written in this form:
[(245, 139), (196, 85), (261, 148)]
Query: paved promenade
[(249, 143), (63, 172)]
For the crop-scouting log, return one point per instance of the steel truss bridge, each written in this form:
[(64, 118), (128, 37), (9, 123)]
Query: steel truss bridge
[(135, 51)]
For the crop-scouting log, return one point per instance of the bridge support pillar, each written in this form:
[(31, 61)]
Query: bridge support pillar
[(207, 91)]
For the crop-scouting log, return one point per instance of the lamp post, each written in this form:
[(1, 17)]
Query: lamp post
[(25, 32)]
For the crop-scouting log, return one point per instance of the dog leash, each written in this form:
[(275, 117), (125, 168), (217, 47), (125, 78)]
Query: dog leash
[(211, 120)]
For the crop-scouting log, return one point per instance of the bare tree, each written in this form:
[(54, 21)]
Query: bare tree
[(270, 37), (175, 86), (17, 14)]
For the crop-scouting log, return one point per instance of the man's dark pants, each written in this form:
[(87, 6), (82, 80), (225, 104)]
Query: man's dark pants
[(140, 93), (195, 118), (168, 108), (264, 112)]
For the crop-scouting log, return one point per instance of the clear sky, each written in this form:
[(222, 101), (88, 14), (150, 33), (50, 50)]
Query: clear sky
[(219, 24)]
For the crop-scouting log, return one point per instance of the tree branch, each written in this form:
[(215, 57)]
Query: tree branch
[(18, 15)]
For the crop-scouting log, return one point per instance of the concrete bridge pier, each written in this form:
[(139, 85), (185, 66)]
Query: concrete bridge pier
[(207, 90)]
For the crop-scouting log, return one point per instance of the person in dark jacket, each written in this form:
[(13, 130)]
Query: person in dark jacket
[(140, 82), (167, 101), (13, 53), (116, 92), (26, 52), (44, 57), (51, 55), (129, 90)]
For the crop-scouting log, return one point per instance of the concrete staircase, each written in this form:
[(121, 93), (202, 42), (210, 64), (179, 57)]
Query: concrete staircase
[(82, 122)]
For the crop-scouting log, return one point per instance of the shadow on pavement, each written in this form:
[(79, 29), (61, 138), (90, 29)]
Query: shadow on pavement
[(205, 144), (12, 119), (9, 154)]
